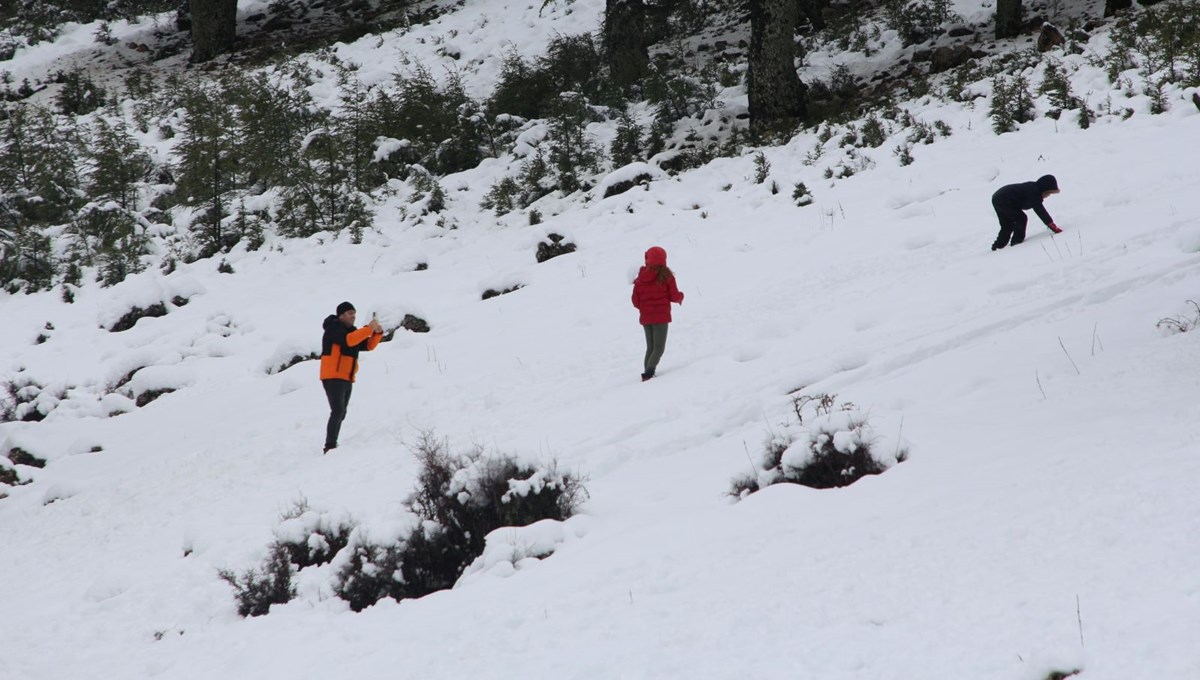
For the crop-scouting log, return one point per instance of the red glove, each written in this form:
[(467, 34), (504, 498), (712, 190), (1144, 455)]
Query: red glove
[(1054, 228)]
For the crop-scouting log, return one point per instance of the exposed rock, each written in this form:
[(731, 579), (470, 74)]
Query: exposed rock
[(946, 58)]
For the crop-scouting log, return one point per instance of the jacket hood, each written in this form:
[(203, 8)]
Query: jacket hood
[(656, 256), (1047, 183), (332, 323)]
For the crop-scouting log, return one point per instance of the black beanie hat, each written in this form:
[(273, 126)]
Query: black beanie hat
[(344, 307), (1047, 183)]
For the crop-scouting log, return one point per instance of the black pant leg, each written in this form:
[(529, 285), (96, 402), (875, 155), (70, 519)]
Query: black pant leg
[(1009, 217), (338, 394), (1018, 231), (1005, 225)]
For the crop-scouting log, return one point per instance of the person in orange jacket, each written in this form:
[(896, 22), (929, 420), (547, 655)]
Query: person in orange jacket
[(339, 363)]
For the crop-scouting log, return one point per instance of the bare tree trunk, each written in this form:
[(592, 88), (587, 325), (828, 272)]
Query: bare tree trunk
[(1008, 18), (625, 42), (1111, 7), (775, 91), (214, 25)]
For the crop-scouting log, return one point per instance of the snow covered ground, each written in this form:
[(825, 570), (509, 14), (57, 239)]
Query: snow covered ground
[(1046, 519)]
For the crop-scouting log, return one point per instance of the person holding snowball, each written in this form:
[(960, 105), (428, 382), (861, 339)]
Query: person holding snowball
[(340, 346)]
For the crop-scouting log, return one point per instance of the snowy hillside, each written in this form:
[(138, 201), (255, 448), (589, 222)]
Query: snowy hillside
[(1045, 520)]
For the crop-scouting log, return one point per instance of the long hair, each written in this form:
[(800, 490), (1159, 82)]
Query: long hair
[(664, 273)]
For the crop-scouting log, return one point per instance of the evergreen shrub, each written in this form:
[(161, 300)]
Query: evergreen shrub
[(1011, 104)]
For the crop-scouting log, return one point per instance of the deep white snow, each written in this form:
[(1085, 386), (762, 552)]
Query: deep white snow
[(1047, 518)]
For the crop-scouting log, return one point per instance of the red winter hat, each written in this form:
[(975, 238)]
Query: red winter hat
[(656, 257)]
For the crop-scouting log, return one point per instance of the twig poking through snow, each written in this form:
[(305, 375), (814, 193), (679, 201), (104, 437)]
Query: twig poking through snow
[(1096, 338), (1038, 378), (899, 438), (1064, 349), (1060, 255), (1048, 257), (1079, 618)]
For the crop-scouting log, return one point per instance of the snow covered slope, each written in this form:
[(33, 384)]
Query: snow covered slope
[(1046, 520)]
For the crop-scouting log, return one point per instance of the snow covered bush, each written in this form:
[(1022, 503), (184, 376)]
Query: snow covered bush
[(257, 589), (365, 571), (18, 401), (459, 501), (311, 538), (835, 449), (472, 494), (801, 194)]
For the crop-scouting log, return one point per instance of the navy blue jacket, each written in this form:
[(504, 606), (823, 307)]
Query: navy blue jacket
[(1025, 196)]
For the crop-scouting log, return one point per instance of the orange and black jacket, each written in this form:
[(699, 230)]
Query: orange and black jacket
[(340, 347)]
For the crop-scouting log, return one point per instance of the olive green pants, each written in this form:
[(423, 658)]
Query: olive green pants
[(656, 343)]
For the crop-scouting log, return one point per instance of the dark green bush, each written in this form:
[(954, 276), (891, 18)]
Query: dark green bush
[(1011, 103), (529, 88), (257, 589), (79, 94)]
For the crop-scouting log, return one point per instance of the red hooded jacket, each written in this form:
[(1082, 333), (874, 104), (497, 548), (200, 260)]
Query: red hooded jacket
[(653, 299)]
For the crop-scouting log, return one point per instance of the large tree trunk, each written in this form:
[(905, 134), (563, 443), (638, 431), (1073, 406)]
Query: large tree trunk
[(1111, 7), (625, 43), (214, 25), (1008, 18), (774, 89)]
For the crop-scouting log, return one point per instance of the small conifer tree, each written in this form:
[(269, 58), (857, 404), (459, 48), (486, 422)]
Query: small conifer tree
[(209, 157), (571, 149), (629, 143)]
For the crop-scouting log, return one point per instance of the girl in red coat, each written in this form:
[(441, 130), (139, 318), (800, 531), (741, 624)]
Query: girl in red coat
[(653, 292)]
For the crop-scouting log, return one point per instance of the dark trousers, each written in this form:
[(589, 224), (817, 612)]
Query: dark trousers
[(656, 344), (1012, 224), (338, 393)]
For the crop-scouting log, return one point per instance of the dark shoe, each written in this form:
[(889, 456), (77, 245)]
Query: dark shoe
[(328, 448), (647, 376)]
